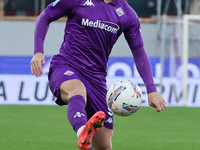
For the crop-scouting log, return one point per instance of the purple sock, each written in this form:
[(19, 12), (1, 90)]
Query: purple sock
[(76, 112)]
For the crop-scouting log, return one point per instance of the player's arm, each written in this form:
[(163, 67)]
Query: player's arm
[(144, 68), (134, 39), (41, 28), (54, 11)]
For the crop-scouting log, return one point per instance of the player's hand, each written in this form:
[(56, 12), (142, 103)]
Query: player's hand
[(156, 101), (36, 63)]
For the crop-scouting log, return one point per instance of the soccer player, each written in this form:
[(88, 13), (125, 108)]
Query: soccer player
[(77, 75)]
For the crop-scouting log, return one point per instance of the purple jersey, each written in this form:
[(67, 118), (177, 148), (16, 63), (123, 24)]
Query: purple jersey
[(92, 29)]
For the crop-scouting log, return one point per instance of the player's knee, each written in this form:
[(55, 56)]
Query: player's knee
[(78, 91), (67, 95), (71, 88)]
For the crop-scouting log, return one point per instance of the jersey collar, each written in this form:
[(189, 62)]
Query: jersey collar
[(114, 2)]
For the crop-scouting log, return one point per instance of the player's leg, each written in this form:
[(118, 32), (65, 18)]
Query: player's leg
[(66, 84), (102, 140), (73, 93), (67, 87), (96, 100), (93, 125)]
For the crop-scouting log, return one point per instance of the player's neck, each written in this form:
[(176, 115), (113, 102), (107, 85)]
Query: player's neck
[(107, 1)]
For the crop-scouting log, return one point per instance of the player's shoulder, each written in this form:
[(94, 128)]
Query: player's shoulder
[(127, 9), (130, 17)]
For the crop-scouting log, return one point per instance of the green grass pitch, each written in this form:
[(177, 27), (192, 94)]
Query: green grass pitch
[(47, 128)]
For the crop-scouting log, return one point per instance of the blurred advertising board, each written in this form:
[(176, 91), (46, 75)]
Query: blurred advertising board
[(18, 86)]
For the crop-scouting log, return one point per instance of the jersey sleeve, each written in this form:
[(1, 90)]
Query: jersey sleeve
[(60, 8), (134, 38), (132, 32), (54, 11), (144, 68)]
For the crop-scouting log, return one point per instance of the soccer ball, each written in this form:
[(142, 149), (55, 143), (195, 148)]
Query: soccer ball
[(124, 97)]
